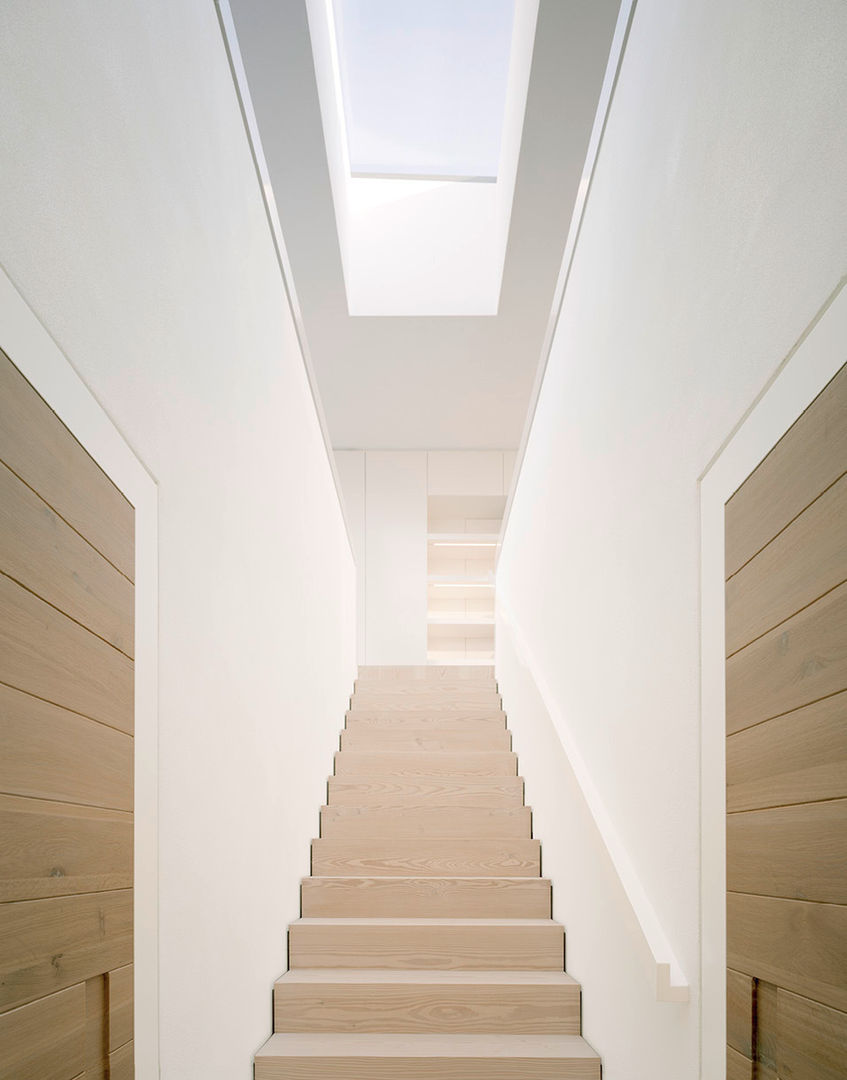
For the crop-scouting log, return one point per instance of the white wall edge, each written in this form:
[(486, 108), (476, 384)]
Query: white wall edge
[(254, 141), (671, 983), (820, 351), (41, 361), (601, 117)]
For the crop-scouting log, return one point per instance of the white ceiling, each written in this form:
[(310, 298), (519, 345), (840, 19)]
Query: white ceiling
[(427, 381)]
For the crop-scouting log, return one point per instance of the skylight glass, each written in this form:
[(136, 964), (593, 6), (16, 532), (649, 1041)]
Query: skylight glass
[(424, 85)]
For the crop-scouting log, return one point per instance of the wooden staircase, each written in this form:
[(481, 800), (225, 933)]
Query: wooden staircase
[(426, 948)]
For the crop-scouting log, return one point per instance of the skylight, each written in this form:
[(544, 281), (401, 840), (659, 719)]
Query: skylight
[(424, 85)]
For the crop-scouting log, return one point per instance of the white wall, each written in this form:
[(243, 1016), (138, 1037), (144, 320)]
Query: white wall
[(132, 223), (715, 229), (395, 563)]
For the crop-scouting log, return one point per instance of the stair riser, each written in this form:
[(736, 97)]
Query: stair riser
[(493, 1009), (425, 763), (426, 858), (440, 1068), (426, 898), (425, 721), (444, 687), (408, 792), (414, 740), (426, 947), (399, 703), (349, 823)]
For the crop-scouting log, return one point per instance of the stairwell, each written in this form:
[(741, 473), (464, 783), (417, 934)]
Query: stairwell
[(426, 948)]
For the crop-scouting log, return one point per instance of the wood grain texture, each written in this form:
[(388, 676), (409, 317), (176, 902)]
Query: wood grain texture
[(483, 704), (42, 552), (797, 945), (56, 849), (46, 945), (807, 459), (739, 1012), (38, 447), (425, 763), (51, 753), (122, 1063), (738, 1067), (767, 1030), (801, 661), (805, 561), (415, 739), (422, 721), (348, 822), (45, 653), (511, 857), (387, 792), (812, 1039), (425, 1057), (45, 1040), (119, 994), (446, 944), (431, 897), (798, 852), (799, 757), (438, 1002)]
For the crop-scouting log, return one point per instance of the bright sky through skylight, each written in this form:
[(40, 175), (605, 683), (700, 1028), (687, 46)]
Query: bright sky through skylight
[(424, 85)]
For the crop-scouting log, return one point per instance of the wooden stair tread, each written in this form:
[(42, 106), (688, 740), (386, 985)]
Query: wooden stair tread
[(399, 921), (428, 1046), (428, 977), (430, 822)]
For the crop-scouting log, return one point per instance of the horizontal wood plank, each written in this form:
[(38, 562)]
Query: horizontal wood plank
[(56, 849), (806, 461), (426, 763), (403, 791), (45, 1040), (51, 753), (795, 944), (812, 1039), (426, 858), (443, 944), (433, 1002), (441, 821), (46, 945), (427, 897), (496, 738), (41, 551), (799, 757), (38, 447), (799, 852), (805, 561), (45, 653), (801, 661)]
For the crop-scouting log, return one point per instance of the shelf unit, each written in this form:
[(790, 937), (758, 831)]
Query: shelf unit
[(462, 539)]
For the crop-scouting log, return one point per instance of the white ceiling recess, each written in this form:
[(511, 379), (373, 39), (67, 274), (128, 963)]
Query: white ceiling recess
[(420, 381)]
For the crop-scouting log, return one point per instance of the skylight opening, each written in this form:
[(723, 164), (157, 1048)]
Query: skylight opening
[(423, 84)]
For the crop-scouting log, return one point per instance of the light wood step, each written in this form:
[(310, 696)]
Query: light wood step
[(422, 713), (426, 1057), (437, 703), (495, 738), (350, 822), (426, 763), (424, 686), (477, 944), (426, 858), (448, 1002), (429, 673), (387, 791), (426, 897), (424, 722)]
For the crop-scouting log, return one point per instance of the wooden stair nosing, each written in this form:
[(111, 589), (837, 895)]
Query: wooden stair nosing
[(425, 857), (441, 822)]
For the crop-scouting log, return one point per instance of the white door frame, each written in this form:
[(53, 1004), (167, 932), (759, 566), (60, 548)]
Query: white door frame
[(30, 347), (819, 353)]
